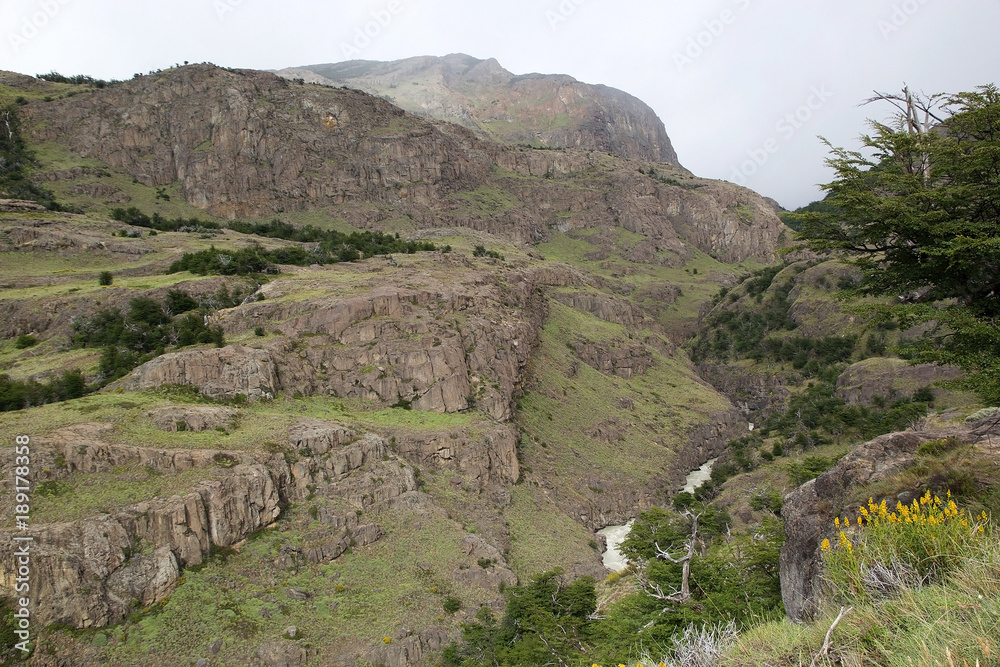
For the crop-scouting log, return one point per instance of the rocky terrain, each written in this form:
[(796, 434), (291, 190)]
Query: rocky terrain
[(433, 413), (554, 110), (373, 450), (242, 143)]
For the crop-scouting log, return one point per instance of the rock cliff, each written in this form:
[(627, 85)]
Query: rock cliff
[(551, 110), (93, 572), (245, 143)]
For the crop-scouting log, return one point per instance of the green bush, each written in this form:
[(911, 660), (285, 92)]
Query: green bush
[(20, 394), (25, 341), (146, 331), (105, 278), (768, 499)]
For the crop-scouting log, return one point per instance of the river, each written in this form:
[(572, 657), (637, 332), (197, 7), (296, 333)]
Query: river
[(615, 535)]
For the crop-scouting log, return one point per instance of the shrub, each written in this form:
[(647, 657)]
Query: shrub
[(25, 341), (886, 552), (768, 499), (452, 604), (105, 278)]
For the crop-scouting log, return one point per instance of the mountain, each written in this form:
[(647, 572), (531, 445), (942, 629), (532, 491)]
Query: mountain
[(243, 143), (431, 417), (312, 379), (553, 110)]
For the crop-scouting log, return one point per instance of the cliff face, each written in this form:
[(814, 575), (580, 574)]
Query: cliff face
[(245, 143), (387, 400), (551, 110), (93, 572)]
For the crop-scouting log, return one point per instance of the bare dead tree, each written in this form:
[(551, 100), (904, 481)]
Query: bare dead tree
[(10, 130), (825, 649), (916, 112), (678, 595)]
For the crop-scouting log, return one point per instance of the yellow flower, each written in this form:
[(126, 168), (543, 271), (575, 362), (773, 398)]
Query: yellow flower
[(826, 545), (387, 640)]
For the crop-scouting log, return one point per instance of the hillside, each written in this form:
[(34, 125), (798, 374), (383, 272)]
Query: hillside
[(553, 111), (438, 412), (312, 380)]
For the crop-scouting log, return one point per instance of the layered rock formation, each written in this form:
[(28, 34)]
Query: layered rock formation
[(93, 572), (244, 143)]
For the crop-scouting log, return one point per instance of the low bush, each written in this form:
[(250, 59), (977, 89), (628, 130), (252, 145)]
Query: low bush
[(889, 550)]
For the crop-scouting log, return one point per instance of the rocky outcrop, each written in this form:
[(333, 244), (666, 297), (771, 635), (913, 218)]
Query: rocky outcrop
[(620, 358), (889, 379), (408, 649), (809, 512), (194, 418), (755, 394), (554, 110), (313, 437), (244, 143), (440, 349), (314, 470), (20, 206), (608, 308), (282, 653), (273, 142), (222, 373), (707, 441), (83, 448), (92, 572), (485, 455)]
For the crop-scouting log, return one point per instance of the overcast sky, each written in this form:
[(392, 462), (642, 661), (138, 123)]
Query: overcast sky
[(743, 86)]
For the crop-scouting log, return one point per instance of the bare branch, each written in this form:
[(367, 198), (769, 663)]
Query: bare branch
[(825, 649)]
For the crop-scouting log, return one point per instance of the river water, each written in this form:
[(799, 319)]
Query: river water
[(615, 535)]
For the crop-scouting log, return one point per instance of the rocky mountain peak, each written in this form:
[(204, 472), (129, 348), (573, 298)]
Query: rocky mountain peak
[(548, 110)]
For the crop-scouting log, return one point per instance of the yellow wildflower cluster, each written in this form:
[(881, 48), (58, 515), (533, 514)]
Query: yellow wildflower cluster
[(926, 510), (927, 537)]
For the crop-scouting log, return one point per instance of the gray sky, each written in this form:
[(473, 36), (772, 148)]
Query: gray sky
[(743, 86)]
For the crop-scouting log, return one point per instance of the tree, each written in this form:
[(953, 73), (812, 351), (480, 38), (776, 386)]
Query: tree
[(919, 213)]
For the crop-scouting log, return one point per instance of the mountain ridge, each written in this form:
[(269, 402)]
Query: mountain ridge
[(553, 110)]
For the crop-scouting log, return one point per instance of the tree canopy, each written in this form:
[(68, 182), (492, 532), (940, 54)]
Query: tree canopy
[(918, 211)]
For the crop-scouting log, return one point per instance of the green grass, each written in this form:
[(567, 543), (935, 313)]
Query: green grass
[(44, 358), (699, 277), (555, 416), (487, 200), (543, 536), (86, 494), (954, 622)]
